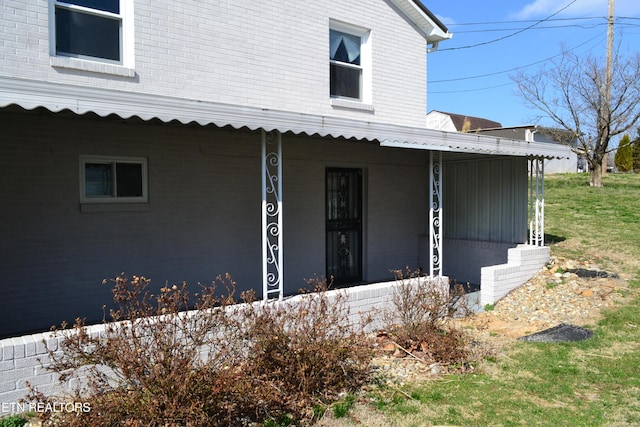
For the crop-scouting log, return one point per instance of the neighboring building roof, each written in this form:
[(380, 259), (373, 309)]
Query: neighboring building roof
[(55, 97), (560, 136), (475, 123)]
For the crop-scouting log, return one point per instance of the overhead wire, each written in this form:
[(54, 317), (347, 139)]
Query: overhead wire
[(471, 90), (515, 21), (552, 20), (548, 19), (504, 71), (509, 35), (516, 68)]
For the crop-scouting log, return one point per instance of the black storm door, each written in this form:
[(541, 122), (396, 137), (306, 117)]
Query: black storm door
[(344, 225)]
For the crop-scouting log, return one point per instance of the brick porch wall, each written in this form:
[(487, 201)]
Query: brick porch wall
[(524, 261), (24, 359)]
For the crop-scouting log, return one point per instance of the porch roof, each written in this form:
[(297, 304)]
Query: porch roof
[(56, 97)]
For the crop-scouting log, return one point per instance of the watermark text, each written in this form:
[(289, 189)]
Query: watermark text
[(42, 407)]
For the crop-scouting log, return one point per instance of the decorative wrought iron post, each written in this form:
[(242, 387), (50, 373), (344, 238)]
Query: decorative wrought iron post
[(435, 213), (272, 215), (536, 202)]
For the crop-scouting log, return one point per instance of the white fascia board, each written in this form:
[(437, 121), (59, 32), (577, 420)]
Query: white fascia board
[(487, 144), (431, 30), (55, 97)]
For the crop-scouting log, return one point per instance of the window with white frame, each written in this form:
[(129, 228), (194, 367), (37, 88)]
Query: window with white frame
[(91, 29), (113, 180), (349, 62)]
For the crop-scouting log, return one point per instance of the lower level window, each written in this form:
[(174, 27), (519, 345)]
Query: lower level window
[(106, 179)]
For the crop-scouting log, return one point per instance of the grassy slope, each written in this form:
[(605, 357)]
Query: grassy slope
[(593, 383), (601, 223)]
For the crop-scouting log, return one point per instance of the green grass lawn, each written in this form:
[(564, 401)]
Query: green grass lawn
[(595, 223), (591, 383)]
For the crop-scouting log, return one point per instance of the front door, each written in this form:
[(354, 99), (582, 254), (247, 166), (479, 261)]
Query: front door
[(344, 225)]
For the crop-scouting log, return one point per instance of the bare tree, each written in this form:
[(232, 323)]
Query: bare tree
[(572, 92)]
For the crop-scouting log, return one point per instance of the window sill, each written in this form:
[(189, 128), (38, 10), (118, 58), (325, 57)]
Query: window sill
[(91, 66), (352, 105), (114, 207)]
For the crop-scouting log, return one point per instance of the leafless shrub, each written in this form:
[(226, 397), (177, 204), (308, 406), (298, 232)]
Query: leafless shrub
[(306, 351), (417, 318), (175, 359), (156, 359)]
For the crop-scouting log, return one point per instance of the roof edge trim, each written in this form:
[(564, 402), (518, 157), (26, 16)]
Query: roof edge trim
[(55, 97)]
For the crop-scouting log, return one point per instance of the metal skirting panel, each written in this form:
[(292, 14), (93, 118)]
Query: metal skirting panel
[(486, 200)]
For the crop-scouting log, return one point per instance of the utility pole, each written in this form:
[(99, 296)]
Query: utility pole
[(607, 78), (609, 52)]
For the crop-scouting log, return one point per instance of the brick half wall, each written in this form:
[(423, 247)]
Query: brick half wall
[(24, 359), (524, 261)]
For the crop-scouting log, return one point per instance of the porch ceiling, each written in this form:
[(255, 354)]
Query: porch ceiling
[(56, 97)]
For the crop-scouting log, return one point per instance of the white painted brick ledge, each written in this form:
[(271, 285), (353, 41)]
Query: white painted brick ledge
[(22, 358), (523, 262)]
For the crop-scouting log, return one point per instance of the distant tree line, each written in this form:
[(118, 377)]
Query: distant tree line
[(627, 157)]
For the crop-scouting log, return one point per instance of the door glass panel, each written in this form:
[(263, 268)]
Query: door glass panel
[(344, 225)]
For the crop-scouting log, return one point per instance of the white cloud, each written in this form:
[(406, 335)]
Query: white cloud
[(446, 20), (544, 8)]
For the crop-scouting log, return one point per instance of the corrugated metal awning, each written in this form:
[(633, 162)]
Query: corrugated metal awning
[(56, 97)]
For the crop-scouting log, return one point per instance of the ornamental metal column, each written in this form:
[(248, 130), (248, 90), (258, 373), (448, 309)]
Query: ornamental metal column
[(435, 213), (271, 215), (536, 202)]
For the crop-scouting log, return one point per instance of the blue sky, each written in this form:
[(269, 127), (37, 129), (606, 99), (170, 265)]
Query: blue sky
[(475, 81)]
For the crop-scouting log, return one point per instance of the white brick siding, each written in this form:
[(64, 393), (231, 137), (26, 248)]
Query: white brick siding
[(23, 358), (263, 54), (524, 261), (203, 216)]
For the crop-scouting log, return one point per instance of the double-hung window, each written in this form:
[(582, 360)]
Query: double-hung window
[(346, 69), (98, 30), (349, 62), (113, 180)]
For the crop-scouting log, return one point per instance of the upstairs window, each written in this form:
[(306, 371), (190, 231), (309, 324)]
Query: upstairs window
[(346, 67), (108, 180), (349, 63), (89, 29)]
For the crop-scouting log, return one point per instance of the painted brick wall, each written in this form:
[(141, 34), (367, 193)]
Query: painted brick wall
[(24, 358), (394, 205), (524, 261), (464, 259), (203, 218), (199, 221), (269, 54)]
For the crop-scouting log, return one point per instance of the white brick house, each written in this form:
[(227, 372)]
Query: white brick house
[(159, 137)]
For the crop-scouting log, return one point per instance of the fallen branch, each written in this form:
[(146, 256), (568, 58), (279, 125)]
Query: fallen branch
[(411, 354)]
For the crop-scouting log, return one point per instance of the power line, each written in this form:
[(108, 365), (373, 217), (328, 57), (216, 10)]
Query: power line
[(515, 68), (471, 90), (509, 35), (550, 27), (619, 21), (525, 21)]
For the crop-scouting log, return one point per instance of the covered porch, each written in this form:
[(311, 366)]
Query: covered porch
[(484, 220), (452, 204)]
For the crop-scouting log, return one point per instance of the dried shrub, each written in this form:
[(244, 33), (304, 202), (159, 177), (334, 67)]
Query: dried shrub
[(174, 359), (417, 318), (305, 351), (156, 362)]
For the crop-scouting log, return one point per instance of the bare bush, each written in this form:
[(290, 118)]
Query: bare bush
[(155, 361), (306, 351), (417, 318), (175, 359)]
